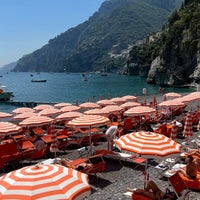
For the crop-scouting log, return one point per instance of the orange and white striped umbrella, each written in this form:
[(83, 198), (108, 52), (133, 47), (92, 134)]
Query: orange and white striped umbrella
[(49, 112), (129, 98), (89, 105), (173, 95), (70, 108), (42, 107), (60, 105), (111, 109), (44, 181), (174, 130), (36, 121), (89, 121), (172, 103), (129, 104), (148, 144), (22, 110), (8, 128), (187, 130), (95, 111), (68, 116), (105, 102), (139, 110), (118, 100), (5, 115), (23, 116)]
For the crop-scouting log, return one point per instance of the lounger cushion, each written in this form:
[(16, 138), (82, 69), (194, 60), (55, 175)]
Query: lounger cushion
[(139, 197), (192, 183)]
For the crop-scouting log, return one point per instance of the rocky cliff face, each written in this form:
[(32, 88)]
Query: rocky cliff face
[(179, 59)]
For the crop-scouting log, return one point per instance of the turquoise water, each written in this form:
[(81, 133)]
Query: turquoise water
[(63, 87)]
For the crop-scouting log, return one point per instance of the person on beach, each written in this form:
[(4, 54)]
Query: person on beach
[(111, 134), (153, 192), (66, 163), (191, 168)]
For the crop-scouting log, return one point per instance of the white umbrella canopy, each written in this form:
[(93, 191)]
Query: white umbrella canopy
[(118, 100), (95, 111), (89, 105), (49, 112), (23, 116), (173, 95), (44, 181), (111, 109)]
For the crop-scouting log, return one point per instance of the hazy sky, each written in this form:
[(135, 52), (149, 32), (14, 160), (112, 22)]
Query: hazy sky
[(27, 25)]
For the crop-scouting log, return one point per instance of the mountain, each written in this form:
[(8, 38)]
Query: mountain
[(8, 67), (102, 40), (174, 54)]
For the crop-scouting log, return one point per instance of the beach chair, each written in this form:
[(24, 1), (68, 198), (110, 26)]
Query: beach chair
[(180, 188)]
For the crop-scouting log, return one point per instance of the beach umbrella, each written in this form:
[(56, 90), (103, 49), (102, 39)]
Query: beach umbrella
[(172, 103), (174, 130), (129, 98), (95, 111), (4, 115), (139, 110), (68, 116), (60, 105), (42, 107), (118, 100), (70, 108), (89, 105), (23, 116), (129, 104), (111, 109), (22, 110), (44, 181), (155, 105), (148, 144), (173, 95), (8, 128), (105, 102), (50, 112), (187, 130), (89, 121), (36, 121)]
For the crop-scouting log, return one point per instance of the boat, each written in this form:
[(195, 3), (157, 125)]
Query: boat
[(38, 80), (4, 95)]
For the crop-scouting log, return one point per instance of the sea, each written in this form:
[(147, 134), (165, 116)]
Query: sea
[(74, 87)]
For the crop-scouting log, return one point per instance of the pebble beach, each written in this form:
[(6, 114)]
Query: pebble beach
[(118, 176)]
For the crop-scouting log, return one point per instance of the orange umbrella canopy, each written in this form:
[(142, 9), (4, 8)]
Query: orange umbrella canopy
[(70, 108), (89, 105), (95, 111), (105, 102), (36, 121), (139, 110), (8, 128), (130, 104), (23, 116), (173, 95), (68, 116), (5, 115), (148, 144), (22, 110), (89, 121), (172, 103), (44, 181), (111, 109), (49, 112), (42, 107), (129, 98), (60, 105)]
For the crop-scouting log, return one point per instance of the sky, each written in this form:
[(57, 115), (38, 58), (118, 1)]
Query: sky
[(27, 25)]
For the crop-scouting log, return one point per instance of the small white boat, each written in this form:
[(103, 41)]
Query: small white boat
[(4, 95)]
